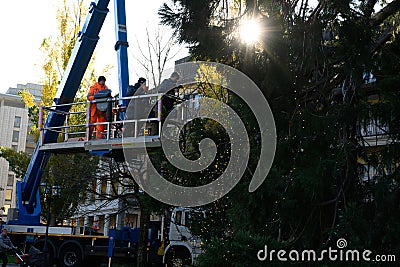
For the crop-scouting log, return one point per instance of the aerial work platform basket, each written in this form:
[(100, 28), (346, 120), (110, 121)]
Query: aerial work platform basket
[(74, 135)]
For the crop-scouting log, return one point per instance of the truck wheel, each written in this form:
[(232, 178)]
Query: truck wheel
[(70, 256)]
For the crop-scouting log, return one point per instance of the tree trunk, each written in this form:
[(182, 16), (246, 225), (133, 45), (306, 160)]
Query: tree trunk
[(143, 239)]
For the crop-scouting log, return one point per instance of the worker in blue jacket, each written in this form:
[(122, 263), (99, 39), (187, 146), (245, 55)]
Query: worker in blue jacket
[(5, 246)]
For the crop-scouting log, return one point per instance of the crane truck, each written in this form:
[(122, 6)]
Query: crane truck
[(23, 223), (64, 245)]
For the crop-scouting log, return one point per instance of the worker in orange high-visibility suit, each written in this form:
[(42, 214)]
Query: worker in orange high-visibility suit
[(95, 114)]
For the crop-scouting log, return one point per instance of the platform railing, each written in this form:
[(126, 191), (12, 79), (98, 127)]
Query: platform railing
[(114, 127)]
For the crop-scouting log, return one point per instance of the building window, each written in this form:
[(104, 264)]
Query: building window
[(8, 194), (14, 147), (6, 207), (10, 180), (178, 217), (104, 186), (17, 121), (15, 136)]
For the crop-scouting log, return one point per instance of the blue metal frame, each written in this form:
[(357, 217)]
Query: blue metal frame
[(121, 47), (28, 199)]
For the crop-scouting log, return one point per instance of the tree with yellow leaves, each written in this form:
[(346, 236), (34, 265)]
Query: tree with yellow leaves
[(56, 52)]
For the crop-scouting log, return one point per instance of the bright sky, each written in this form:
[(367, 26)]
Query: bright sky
[(25, 23)]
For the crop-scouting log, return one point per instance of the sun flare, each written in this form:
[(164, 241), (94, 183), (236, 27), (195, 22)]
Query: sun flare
[(250, 31)]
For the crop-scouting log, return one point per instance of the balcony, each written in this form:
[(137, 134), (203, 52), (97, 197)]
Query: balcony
[(374, 133)]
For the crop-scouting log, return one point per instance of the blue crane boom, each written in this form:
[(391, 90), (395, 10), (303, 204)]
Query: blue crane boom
[(121, 46), (28, 199)]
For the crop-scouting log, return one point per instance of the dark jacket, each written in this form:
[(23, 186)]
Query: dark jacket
[(168, 102), (5, 243), (132, 89)]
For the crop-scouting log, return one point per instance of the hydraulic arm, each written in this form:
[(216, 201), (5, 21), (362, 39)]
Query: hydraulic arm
[(28, 199)]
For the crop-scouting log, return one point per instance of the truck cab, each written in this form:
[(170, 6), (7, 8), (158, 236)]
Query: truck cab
[(184, 247)]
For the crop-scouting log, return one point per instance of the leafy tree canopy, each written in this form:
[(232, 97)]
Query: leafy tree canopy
[(328, 70)]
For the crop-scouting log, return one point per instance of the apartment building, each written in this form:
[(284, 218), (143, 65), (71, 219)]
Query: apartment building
[(103, 207), (14, 125), (375, 139)]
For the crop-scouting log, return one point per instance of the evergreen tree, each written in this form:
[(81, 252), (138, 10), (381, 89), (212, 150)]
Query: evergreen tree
[(313, 64)]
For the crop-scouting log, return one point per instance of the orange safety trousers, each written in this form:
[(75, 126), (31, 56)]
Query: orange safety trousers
[(98, 117)]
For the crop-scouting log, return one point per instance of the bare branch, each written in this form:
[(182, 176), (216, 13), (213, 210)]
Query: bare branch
[(385, 12)]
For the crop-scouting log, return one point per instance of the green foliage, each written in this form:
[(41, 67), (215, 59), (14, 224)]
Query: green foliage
[(313, 64), (239, 250), (71, 173), (18, 160)]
